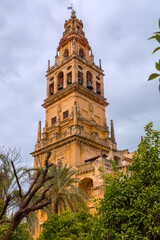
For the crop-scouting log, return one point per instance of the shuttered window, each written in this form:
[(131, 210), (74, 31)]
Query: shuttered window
[(65, 114)]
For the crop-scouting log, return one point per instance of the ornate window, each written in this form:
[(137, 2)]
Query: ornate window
[(69, 78), (66, 53), (98, 88), (89, 80), (80, 78), (51, 89), (60, 81), (53, 120), (65, 114), (81, 53)]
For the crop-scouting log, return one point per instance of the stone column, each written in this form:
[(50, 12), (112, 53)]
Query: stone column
[(94, 83), (74, 72), (75, 112), (55, 85), (64, 79), (84, 77)]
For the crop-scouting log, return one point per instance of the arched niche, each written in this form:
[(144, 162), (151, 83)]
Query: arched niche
[(66, 53), (86, 185), (60, 80), (69, 78), (81, 53), (89, 80), (80, 77)]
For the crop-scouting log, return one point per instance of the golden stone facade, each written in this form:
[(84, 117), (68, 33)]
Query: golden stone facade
[(75, 128)]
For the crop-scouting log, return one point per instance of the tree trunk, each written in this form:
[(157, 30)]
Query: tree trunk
[(56, 206), (15, 222)]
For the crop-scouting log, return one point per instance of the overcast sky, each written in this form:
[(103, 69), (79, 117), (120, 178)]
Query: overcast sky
[(117, 31)]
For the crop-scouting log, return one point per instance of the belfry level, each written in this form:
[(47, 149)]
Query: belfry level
[(75, 128)]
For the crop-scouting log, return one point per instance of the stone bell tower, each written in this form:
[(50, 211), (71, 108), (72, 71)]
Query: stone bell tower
[(75, 128)]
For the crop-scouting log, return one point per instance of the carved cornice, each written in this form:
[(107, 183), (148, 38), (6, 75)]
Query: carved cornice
[(43, 147), (75, 88), (69, 59)]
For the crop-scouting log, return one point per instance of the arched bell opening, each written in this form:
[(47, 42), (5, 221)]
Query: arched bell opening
[(81, 53), (80, 78), (60, 79), (86, 185), (69, 78), (89, 80)]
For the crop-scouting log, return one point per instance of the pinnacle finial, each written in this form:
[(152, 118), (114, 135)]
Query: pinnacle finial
[(39, 132), (112, 132), (100, 64)]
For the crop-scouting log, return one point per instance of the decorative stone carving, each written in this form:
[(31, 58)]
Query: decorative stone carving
[(74, 46), (59, 108), (90, 107)]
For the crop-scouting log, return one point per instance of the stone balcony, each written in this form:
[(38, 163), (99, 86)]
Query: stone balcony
[(72, 131)]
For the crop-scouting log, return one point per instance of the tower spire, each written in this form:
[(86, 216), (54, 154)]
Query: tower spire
[(112, 132), (39, 132)]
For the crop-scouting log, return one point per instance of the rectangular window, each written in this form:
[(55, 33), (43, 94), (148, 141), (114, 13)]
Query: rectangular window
[(53, 121), (65, 114), (51, 89)]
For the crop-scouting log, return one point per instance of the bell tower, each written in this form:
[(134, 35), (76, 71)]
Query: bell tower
[(75, 128)]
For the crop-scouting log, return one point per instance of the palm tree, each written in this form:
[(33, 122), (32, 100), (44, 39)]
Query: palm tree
[(64, 193)]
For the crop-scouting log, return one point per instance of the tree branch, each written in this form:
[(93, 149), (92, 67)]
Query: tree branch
[(8, 199), (32, 185), (43, 180), (37, 207), (5, 221), (43, 195), (47, 165), (17, 180)]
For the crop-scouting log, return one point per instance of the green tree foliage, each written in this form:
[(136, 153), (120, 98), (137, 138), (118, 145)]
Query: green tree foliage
[(131, 205), (64, 193), (156, 36), (68, 226), (21, 232)]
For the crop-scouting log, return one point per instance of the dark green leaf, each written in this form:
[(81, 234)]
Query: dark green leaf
[(158, 38), (157, 66), (159, 23), (152, 76), (156, 32), (152, 37), (156, 49)]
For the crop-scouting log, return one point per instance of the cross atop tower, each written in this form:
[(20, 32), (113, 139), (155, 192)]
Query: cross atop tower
[(73, 13), (71, 7)]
